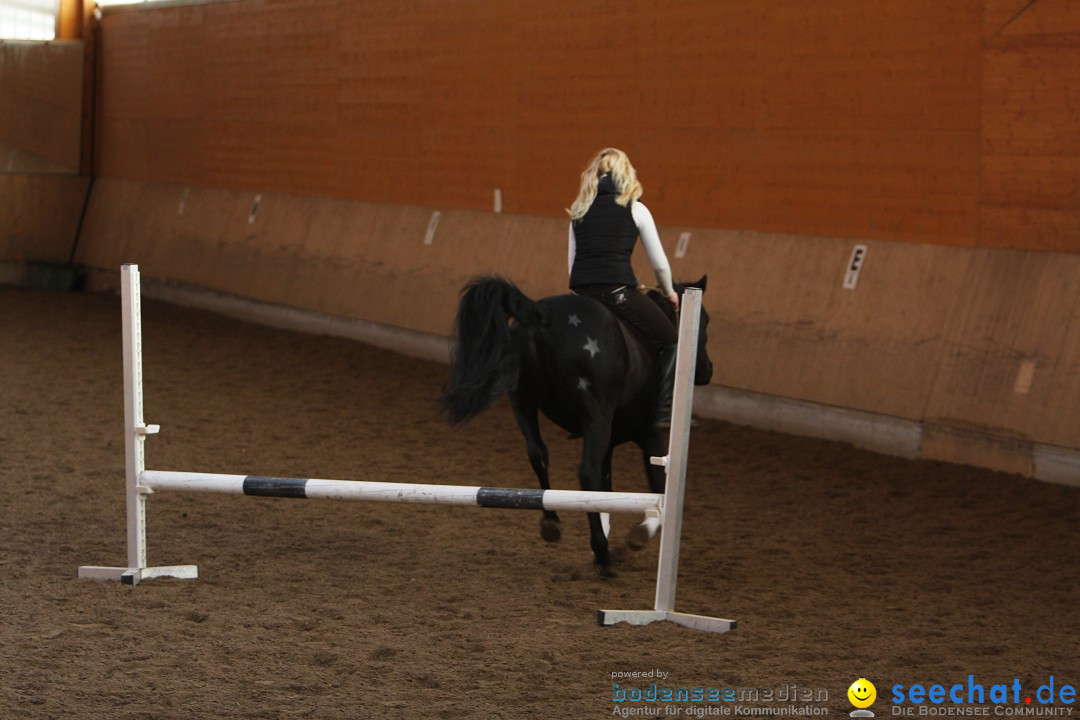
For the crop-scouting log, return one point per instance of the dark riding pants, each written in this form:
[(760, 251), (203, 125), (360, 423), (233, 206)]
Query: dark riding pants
[(636, 310)]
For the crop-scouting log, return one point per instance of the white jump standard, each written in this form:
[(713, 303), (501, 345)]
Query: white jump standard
[(142, 483)]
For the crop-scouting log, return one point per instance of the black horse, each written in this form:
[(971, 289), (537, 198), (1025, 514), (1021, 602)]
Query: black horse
[(569, 357)]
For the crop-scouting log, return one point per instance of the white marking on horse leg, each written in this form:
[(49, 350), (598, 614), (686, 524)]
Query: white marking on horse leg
[(605, 522), (642, 533)]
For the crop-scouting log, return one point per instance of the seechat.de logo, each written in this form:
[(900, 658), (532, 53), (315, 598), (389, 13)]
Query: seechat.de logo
[(862, 694), (1008, 699)]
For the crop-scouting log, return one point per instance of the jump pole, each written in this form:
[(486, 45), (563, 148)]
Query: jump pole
[(140, 482)]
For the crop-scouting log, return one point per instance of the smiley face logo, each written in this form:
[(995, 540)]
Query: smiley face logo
[(862, 693)]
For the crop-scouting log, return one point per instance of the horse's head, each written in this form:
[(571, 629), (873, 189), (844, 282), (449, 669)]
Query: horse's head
[(703, 367)]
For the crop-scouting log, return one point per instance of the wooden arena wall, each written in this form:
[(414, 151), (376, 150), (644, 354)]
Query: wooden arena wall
[(41, 193), (294, 152), (39, 216), (979, 345)]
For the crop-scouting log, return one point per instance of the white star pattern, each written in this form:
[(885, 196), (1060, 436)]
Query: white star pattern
[(592, 347), (575, 320), (583, 384)]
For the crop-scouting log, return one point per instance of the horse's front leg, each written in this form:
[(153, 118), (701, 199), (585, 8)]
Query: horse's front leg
[(526, 415), (652, 445), (605, 518)]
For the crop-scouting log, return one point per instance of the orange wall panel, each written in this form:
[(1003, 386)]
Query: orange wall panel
[(1030, 178), (848, 119), (943, 123), (41, 105)]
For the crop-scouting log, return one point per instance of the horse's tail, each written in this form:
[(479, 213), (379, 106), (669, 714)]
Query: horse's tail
[(485, 359)]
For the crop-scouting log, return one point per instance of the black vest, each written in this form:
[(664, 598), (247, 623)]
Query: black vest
[(605, 239)]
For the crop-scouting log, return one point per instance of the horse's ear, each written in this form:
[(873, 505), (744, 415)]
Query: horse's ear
[(700, 284)]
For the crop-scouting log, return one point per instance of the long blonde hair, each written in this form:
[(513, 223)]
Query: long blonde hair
[(615, 162)]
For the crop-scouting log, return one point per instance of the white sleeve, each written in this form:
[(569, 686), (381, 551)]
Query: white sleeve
[(650, 238), (572, 249)]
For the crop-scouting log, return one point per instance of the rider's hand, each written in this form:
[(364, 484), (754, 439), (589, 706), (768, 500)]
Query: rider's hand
[(673, 298)]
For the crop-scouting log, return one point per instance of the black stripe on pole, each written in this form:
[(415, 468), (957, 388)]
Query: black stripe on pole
[(275, 487), (510, 498)]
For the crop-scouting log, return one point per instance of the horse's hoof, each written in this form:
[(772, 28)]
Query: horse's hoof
[(606, 570), (550, 531), (639, 537)]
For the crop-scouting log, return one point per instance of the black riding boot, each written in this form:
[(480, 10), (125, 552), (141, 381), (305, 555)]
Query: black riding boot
[(666, 361)]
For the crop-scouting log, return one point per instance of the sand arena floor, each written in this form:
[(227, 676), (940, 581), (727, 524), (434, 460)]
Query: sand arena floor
[(836, 562)]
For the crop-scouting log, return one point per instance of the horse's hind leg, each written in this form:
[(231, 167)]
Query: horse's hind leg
[(595, 459), (527, 421)]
